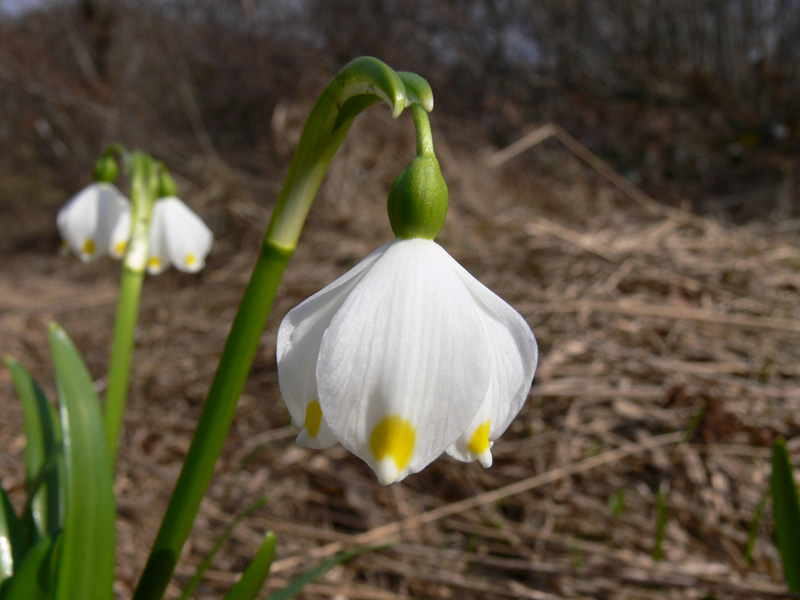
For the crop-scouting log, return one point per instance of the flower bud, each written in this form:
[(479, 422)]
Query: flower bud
[(105, 169), (418, 199)]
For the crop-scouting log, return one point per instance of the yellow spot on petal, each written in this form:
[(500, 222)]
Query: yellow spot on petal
[(190, 260), (313, 418), (88, 247), (119, 247), (154, 262), (479, 442), (394, 437)]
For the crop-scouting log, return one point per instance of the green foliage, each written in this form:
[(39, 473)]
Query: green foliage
[(786, 514), (63, 546), (294, 588), (203, 566), (249, 586)]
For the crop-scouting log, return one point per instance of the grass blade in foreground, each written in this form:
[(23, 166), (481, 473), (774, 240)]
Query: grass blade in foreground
[(201, 569), (85, 558), (42, 448), (291, 590), (786, 512), (253, 578), (31, 581), (12, 538)]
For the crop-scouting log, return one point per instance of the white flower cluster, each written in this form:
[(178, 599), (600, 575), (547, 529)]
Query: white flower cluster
[(97, 222)]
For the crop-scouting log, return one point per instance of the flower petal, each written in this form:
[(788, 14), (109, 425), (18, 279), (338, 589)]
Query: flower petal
[(402, 369), (188, 239), (158, 258), (514, 355), (299, 338), (86, 222)]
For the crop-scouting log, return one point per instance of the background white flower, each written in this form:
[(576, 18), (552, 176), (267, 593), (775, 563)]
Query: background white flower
[(405, 357), (95, 222), (178, 237)]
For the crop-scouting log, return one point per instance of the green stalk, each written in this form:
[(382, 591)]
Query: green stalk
[(360, 84), (144, 189), (121, 351)]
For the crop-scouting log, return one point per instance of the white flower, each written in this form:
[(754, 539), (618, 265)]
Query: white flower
[(177, 237), (405, 357), (95, 222)]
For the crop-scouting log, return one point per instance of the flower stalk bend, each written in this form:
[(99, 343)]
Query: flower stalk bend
[(360, 84)]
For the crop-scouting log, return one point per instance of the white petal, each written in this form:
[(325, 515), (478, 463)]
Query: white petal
[(188, 239), (120, 235), (514, 355), (158, 258), (88, 219), (402, 370), (299, 338)]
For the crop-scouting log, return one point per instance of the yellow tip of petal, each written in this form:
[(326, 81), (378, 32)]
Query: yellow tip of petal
[(154, 262), (119, 248), (479, 442), (190, 260), (313, 418), (393, 438), (89, 247)]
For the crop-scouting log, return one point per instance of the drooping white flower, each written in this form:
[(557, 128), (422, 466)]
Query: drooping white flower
[(95, 222), (403, 358), (177, 237)]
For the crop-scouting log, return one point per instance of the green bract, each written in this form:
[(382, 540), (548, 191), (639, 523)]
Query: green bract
[(418, 199)]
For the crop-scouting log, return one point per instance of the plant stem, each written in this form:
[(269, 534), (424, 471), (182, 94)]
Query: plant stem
[(121, 353), (360, 84), (144, 188)]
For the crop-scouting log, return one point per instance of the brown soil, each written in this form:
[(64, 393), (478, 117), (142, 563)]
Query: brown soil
[(670, 346)]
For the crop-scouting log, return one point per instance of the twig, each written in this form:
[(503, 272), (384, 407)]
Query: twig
[(385, 532)]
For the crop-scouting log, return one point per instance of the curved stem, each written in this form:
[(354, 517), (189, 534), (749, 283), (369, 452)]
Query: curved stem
[(422, 124), (360, 84)]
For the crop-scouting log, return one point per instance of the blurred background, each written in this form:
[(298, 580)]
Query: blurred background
[(646, 226)]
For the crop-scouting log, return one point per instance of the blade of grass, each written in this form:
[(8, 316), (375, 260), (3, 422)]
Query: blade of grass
[(42, 447), (253, 578), (31, 581), (203, 566), (752, 531), (86, 558), (786, 514), (13, 544), (294, 588)]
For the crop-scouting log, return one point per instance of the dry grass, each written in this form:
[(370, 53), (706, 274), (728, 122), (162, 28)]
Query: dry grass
[(670, 347)]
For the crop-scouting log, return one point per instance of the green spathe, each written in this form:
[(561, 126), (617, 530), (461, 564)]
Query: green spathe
[(418, 199)]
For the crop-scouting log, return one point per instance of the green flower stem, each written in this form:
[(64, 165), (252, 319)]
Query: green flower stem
[(422, 124), (360, 84), (144, 189), (121, 352)]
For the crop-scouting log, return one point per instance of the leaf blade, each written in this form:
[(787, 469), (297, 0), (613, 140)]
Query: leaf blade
[(86, 558), (786, 514), (256, 573)]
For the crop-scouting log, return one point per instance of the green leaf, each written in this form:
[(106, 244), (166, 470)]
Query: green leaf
[(752, 531), (85, 566), (786, 514), (253, 578), (203, 566), (31, 579), (13, 544), (42, 453), (291, 590), (418, 91)]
